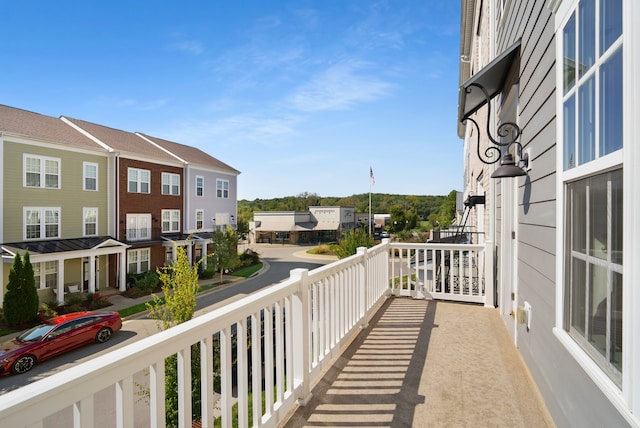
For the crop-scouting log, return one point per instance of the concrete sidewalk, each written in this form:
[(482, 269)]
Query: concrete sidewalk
[(427, 364)]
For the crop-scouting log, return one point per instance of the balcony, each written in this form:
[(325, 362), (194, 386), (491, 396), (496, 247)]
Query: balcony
[(357, 341)]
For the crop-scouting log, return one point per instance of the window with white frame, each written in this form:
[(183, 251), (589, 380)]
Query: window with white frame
[(41, 222), (170, 220), (199, 185), (170, 184), (51, 274), (138, 260), (592, 125), (138, 227), (139, 180), (90, 221), (199, 219), (90, 171), (41, 171), (36, 274), (222, 188)]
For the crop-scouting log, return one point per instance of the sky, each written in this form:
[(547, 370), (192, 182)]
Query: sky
[(300, 96)]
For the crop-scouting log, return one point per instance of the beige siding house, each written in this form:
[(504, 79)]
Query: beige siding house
[(56, 205)]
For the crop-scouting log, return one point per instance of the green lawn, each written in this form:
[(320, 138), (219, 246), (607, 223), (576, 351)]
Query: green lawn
[(248, 271)]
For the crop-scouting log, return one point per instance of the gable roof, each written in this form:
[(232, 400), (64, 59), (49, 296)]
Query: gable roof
[(32, 125), (192, 155), (122, 141)]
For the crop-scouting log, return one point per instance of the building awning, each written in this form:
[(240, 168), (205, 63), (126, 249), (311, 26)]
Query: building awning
[(327, 225), (492, 77)]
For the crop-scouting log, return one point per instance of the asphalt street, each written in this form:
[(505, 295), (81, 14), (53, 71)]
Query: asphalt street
[(278, 260)]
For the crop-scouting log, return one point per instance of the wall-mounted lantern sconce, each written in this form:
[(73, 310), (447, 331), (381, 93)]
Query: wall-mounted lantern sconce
[(507, 136)]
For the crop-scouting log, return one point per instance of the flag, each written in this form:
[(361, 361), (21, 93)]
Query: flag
[(373, 179)]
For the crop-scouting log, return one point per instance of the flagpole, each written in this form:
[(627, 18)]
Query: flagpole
[(371, 181), (369, 207)]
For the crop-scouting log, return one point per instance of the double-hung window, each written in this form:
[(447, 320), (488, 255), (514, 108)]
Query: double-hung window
[(170, 184), (41, 171), (170, 220), (199, 219), (90, 171), (199, 185), (41, 223), (90, 221), (591, 171), (138, 260), (139, 180), (222, 188)]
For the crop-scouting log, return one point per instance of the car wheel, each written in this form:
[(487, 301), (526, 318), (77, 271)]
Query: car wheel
[(103, 335), (23, 364)]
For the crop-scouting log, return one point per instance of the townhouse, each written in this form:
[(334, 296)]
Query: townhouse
[(93, 204), (547, 107)]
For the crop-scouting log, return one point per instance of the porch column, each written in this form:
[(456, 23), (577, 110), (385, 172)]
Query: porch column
[(489, 280), (60, 284), (190, 251), (204, 254), (92, 274), (122, 257)]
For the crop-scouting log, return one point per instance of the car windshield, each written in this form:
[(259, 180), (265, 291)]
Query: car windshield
[(36, 333)]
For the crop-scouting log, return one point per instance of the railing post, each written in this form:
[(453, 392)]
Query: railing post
[(489, 269), (363, 286), (300, 328)]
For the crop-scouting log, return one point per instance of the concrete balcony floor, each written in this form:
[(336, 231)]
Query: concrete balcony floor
[(427, 364)]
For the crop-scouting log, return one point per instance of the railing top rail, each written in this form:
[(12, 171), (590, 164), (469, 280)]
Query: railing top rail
[(438, 246)]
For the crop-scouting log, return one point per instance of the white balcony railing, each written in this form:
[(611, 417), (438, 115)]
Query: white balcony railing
[(314, 316)]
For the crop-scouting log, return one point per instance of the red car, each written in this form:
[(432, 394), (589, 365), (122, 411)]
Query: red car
[(55, 336)]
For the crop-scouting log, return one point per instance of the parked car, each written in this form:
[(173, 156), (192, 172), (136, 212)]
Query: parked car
[(56, 336), (384, 234)]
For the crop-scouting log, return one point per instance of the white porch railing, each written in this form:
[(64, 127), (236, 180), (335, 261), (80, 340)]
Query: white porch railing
[(460, 272), (295, 327)]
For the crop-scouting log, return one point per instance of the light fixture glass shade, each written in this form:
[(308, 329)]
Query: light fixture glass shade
[(508, 168)]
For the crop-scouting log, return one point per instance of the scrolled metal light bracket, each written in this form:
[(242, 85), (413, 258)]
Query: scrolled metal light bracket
[(508, 134)]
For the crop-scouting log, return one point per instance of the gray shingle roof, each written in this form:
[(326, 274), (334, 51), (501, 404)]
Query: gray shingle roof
[(123, 141), (46, 128), (192, 155)]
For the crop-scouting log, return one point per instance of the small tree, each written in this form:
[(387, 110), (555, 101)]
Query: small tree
[(180, 288), (354, 238), (225, 250), (21, 301)]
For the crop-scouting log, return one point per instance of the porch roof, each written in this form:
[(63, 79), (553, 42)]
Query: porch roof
[(60, 245)]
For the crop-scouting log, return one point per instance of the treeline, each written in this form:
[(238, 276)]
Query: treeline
[(422, 208)]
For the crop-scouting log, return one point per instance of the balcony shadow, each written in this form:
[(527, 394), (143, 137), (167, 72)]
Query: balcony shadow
[(376, 381)]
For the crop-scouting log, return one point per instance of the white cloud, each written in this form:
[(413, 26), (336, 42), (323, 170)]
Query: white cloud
[(340, 87), (231, 130), (192, 46)]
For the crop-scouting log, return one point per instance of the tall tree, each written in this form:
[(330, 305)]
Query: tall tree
[(21, 301)]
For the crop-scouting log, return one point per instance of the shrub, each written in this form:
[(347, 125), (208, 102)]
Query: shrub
[(249, 257), (96, 301), (48, 311), (353, 239), (207, 273), (142, 284), (20, 303)]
